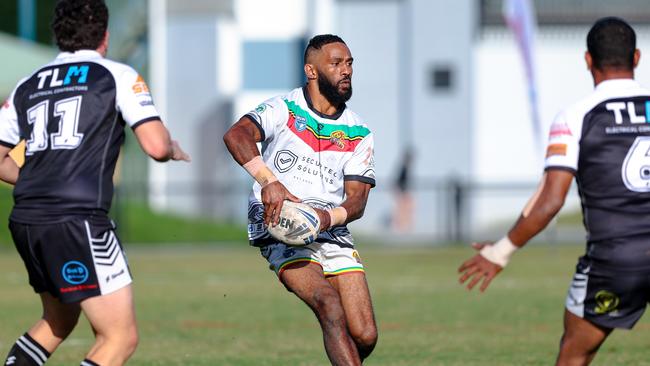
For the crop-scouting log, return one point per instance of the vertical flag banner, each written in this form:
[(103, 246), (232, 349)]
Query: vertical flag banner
[(520, 18)]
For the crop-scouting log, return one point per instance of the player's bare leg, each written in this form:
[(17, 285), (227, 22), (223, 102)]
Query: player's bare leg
[(355, 297), (57, 322), (307, 281), (112, 318), (580, 341)]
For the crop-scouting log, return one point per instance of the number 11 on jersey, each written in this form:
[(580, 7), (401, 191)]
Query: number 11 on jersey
[(67, 136)]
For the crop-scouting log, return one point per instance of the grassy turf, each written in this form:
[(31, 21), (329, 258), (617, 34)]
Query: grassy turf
[(211, 305)]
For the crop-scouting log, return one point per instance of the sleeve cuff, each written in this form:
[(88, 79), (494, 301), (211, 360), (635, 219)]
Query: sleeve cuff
[(257, 124), (360, 178), (7, 144), (560, 167), (143, 121)]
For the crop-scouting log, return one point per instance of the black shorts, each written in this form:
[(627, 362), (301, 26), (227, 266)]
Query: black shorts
[(72, 260), (611, 285)]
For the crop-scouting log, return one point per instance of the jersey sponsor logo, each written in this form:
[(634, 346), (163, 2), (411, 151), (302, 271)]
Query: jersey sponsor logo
[(76, 73), (606, 302), (140, 87), (74, 272), (285, 160), (560, 129), (356, 256), (141, 91), (114, 275), (556, 149), (310, 167), (78, 288), (634, 116)]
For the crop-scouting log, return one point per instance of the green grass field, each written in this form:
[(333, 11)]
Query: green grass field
[(221, 306)]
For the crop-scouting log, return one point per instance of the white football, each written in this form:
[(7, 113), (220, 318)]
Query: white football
[(299, 224)]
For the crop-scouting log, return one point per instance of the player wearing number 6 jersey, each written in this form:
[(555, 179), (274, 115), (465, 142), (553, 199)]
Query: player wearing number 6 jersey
[(603, 140), (71, 114)]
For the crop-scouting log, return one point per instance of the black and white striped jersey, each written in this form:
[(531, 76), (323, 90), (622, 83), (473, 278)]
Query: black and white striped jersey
[(605, 140), (71, 114)]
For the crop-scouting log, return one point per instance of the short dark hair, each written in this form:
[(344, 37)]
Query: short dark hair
[(79, 24), (319, 41), (611, 43)]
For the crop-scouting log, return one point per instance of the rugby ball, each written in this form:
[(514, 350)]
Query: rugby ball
[(299, 224)]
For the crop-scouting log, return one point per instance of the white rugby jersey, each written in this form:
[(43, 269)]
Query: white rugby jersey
[(312, 154), (71, 114), (604, 140)]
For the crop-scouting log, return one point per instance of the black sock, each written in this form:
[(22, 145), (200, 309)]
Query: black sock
[(88, 362), (27, 352)]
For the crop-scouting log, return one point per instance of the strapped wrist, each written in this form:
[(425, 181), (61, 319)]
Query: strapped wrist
[(499, 252), (259, 171), (338, 215)]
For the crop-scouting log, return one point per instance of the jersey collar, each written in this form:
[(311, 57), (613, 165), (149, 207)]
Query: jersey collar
[(83, 54), (617, 84), (336, 115)]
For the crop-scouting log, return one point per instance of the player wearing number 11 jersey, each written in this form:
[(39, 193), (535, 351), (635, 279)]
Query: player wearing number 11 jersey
[(71, 114), (604, 141)]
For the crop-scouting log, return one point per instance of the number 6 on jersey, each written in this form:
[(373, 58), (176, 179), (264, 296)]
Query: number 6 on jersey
[(636, 167)]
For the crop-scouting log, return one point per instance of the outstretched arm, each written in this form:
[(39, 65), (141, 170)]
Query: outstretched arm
[(241, 140), (540, 210), (155, 140), (351, 209)]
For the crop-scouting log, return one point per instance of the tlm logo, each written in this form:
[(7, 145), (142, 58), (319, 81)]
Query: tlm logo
[(11, 360), (74, 71)]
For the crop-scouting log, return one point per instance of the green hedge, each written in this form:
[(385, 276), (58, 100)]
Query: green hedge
[(136, 224)]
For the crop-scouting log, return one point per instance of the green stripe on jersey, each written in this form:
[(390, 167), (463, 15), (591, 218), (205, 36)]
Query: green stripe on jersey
[(326, 129)]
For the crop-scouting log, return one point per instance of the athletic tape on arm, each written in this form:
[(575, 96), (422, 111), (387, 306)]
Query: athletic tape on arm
[(499, 252), (258, 170), (338, 215)]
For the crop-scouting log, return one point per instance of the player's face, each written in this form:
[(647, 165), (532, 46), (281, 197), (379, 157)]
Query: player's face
[(335, 73)]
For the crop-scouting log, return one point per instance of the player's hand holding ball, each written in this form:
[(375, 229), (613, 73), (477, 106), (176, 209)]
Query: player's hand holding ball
[(299, 224)]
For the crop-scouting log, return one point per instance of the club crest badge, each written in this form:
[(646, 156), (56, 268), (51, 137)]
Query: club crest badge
[(300, 123), (338, 138)]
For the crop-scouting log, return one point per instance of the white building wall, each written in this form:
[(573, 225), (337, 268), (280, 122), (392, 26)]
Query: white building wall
[(503, 147)]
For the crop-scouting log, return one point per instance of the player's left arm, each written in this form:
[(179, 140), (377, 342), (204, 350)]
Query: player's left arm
[(351, 209), (8, 167), (540, 210)]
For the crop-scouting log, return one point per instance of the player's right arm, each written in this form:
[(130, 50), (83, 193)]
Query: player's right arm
[(542, 207), (9, 138), (241, 140), (561, 165)]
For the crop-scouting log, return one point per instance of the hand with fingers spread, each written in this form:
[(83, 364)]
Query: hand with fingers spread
[(479, 268), (273, 195)]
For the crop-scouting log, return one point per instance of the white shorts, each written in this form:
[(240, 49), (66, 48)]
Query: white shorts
[(334, 259)]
